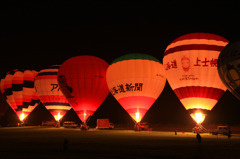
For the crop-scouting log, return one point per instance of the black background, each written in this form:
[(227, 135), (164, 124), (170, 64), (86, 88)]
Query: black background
[(36, 34)]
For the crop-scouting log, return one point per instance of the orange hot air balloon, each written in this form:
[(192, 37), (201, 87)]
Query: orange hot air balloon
[(190, 62), (49, 92), (136, 81), (82, 80), (3, 106), (18, 88)]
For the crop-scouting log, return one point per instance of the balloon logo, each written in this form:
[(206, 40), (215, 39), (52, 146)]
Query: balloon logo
[(82, 80), (18, 88), (49, 92), (190, 62), (136, 81), (185, 63), (229, 68)]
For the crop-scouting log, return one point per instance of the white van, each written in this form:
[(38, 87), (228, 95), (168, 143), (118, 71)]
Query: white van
[(70, 124)]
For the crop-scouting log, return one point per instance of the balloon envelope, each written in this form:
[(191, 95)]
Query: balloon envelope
[(190, 62), (3, 106), (49, 92), (82, 80), (18, 88), (229, 67), (136, 81)]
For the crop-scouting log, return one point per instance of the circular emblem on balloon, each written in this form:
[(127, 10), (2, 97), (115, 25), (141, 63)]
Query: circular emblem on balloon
[(190, 62)]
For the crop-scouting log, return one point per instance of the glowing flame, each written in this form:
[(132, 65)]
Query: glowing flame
[(198, 117), (22, 116), (58, 116), (84, 115), (137, 116)]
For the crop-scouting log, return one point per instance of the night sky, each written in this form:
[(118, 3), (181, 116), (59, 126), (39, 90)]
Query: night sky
[(34, 35)]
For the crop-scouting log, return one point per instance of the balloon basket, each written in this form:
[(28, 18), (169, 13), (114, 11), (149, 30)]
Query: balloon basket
[(58, 125), (200, 129), (84, 127), (137, 127), (21, 124)]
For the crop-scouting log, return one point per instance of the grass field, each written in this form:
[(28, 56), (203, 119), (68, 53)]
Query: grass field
[(43, 142)]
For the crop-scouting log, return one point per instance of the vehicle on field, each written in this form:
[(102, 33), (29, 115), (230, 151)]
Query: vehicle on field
[(70, 124), (224, 130), (49, 123), (13, 124), (104, 124)]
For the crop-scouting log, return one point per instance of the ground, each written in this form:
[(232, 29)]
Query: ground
[(43, 142)]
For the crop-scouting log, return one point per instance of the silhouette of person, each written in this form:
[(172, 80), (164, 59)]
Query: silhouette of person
[(65, 145), (199, 138)]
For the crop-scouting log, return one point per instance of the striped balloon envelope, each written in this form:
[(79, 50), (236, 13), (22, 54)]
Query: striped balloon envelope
[(82, 80), (3, 105), (49, 92), (136, 81), (190, 62), (18, 88)]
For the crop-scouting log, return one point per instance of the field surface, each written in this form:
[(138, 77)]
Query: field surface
[(43, 142)]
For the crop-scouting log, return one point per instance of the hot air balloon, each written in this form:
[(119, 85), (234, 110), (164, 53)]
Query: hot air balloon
[(49, 92), (82, 80), (18, 88), (229, 67), (3, 106), (136, 81), (190, 62)]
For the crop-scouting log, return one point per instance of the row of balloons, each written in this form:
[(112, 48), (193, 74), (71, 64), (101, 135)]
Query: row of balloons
[(191, 64)]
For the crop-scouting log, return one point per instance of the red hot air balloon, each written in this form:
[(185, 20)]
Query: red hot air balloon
[(18, 88), (190, 62), (136, 81), (82, 80), (3, 104), (49, 92)]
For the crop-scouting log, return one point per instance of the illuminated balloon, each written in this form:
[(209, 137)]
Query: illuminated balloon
[(82, 80), (190, 62), (18, 88), (136, 81), (229, 67), (3, 106), (49, 92)]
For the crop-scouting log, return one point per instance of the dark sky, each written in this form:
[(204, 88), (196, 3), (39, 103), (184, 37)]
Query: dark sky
[(34, 35)]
